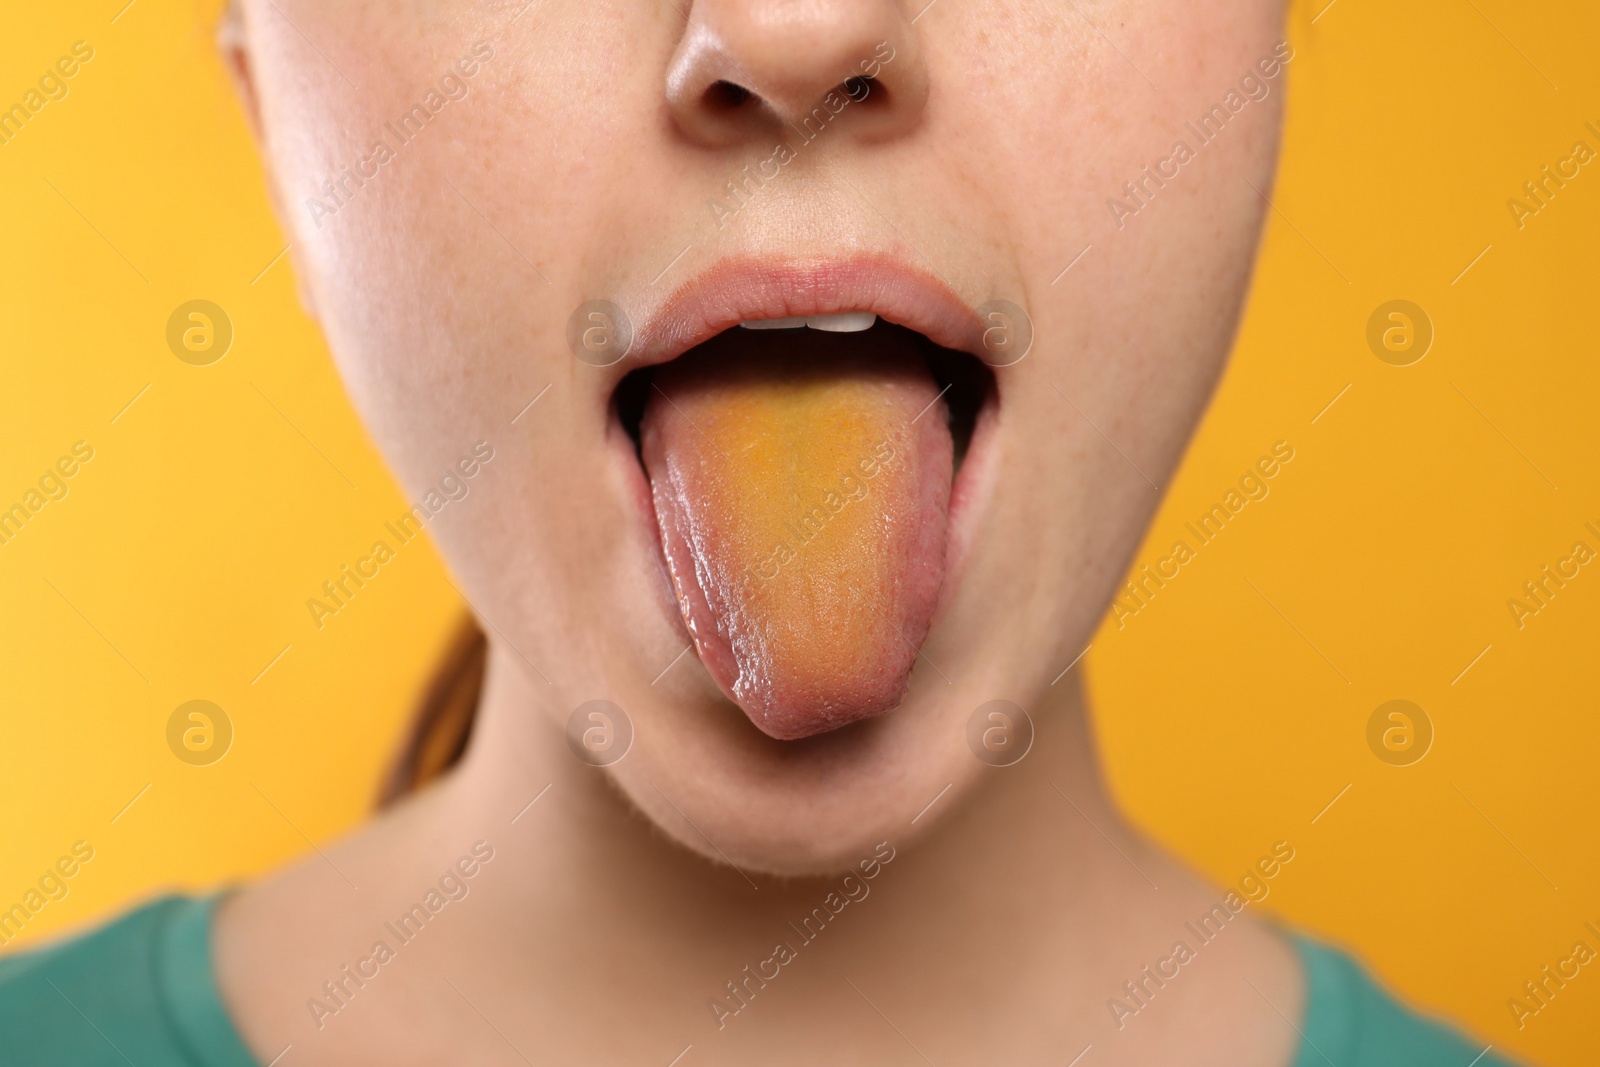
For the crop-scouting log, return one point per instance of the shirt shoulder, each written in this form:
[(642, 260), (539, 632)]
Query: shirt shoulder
[(1352, 1022), (139, 989)]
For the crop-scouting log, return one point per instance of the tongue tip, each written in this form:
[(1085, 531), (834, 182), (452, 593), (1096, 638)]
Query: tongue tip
[(799, 723), (819, 698)]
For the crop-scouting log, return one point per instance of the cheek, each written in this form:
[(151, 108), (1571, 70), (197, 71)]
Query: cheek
[(445, 259)]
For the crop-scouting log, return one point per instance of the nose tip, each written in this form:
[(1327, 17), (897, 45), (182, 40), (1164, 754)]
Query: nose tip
[(745, 67)]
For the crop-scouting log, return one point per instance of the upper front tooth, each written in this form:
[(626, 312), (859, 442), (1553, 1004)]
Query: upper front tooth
[(773, 324), (849, 322)]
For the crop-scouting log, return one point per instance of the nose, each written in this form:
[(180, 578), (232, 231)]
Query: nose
[(744, 68)]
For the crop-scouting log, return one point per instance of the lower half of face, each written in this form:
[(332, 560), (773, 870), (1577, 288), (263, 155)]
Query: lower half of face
[(836, 347)]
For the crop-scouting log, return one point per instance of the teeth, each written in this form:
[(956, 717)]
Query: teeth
[(848, 322)]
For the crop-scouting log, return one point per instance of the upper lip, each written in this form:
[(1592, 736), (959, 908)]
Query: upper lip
[(749, 289)]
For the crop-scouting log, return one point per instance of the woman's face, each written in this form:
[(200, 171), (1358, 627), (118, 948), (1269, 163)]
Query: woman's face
[(475, 192)]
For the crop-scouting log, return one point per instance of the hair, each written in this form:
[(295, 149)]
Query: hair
[(441, 724)]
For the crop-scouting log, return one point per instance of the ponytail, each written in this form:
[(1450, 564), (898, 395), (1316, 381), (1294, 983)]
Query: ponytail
[(441, 725)]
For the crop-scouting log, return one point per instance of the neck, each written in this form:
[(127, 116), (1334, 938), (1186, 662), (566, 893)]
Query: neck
[(1026, 899)]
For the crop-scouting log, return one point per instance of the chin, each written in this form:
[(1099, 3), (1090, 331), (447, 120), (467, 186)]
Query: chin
[(810, 807)]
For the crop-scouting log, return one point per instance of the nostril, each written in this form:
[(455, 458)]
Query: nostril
[(740, 72), (861, 89), (725, 96)]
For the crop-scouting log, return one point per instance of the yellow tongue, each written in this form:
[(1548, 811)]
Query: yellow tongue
[(800, 482)]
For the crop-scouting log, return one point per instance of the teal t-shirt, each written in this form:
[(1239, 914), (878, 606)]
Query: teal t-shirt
[(1350, 1022), (140, 991)]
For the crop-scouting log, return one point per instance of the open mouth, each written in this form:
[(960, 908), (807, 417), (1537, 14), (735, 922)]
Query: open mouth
[(801, 473)]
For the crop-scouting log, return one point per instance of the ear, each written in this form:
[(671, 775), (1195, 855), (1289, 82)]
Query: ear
[(236, 58), (233, 46)]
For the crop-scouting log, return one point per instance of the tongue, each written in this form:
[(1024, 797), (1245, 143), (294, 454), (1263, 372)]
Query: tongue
[(801, 481)]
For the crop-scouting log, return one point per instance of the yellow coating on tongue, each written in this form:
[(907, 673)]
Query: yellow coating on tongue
[(803, 465), (802, 514)]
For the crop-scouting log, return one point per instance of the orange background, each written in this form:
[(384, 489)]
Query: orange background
[(1233, 708)]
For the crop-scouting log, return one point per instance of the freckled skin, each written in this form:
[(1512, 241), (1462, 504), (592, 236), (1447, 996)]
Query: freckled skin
[(800, 481)]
